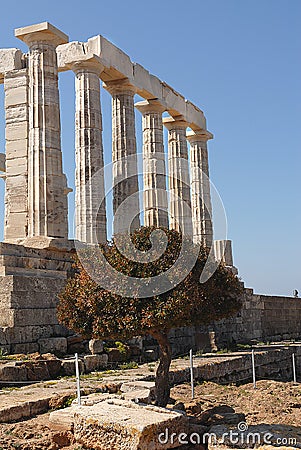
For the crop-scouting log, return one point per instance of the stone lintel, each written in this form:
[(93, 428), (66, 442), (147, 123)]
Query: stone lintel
[(2, 162), (118, 65), (10, 59), (41, 32), (175, 122), (150, 106), (199, 136)]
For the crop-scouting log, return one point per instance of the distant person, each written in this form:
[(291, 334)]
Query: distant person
[(296, 293)]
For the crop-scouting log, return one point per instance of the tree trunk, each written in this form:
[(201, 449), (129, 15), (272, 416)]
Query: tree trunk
[(162, 375)]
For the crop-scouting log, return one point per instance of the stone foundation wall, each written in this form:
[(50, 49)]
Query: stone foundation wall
[(30, 280), (273, 364), (262, 318)]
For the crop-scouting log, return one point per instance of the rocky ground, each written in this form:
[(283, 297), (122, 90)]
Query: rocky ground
[(271, 403)]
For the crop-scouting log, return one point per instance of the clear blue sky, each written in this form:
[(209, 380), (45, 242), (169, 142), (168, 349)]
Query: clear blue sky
[(239, 61)]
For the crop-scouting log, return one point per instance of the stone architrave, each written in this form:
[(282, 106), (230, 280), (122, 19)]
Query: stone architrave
[(178, 176), (124, 157), (90, 205), (47, 185), (154, 175), (200, 188)]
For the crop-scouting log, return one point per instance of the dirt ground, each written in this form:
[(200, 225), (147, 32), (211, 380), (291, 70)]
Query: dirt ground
[(271, 403)]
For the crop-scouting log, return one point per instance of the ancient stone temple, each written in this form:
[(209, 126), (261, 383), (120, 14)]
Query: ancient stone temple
[(35, 256)]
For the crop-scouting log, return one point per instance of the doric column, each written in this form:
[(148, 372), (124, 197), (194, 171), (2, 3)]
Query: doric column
[(178, 176), (154, 176), (200, 187), (90, 206), (47, 186), (125, 178)]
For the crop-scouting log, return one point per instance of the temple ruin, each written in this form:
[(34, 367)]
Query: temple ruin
[(35, 255)]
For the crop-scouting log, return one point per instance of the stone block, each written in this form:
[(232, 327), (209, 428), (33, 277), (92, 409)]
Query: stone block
[(16, 166), (95, 362), (175, 102), (112, 55), (122, 425), (10, 59), (25, 348), (95, 346), (130, 386), (24, 317), (68, 53), (68, 367), (56, 345), (15, 96), (195, 117), (15, 79), (11, 372), (16, 149), (16, 131), (147, 84), (17, 113), (46, 31)]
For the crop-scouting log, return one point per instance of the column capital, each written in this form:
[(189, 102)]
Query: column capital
[(121, 86), (150, 106), (198, 136), (91, 63), (41, 32), (172, 123)]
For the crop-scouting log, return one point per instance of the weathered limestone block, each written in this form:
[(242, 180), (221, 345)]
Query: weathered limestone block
[(10, 59), (178, 176), (47, 186), (142, 391), (95, 362), (68, 366), (28, 317), (33, 333), (56, 345), (122, 425), (12, 372), (154, 176), (24, 348), (95, 346), (200, 188), (125, 178), (70, 52)]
